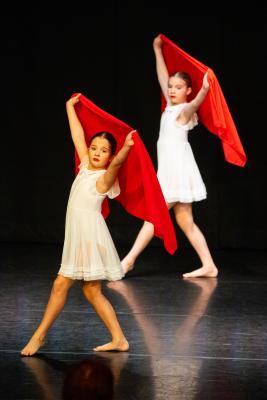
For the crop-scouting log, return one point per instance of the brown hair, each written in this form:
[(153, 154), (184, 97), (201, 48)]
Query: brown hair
[(184, 76), (109, 137)]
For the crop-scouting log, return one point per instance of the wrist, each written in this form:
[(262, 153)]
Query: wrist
[(69, 105)]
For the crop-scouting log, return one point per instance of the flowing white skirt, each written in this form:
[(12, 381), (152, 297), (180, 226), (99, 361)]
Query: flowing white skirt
[(178, 173), (89, 252)]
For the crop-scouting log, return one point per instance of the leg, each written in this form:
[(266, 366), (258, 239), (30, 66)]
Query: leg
[(54, 306), (184, 218), (144, 237), (93, 293)]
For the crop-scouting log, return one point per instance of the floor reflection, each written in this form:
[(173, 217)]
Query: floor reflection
[(49, 372), (146, 321), (173, 337), (162, 373), (185, 331), (198, 339)]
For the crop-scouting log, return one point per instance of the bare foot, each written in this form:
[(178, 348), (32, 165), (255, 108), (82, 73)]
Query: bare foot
[(127, 264), (204, 272), (32, 346), (122, 345)]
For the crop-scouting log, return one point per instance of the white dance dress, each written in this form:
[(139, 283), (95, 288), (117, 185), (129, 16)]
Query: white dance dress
[(178, 173), (89, 252)]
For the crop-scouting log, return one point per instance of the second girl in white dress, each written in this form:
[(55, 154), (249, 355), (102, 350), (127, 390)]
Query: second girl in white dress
[(178, 172)]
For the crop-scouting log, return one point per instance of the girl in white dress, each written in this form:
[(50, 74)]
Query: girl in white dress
[(178, 172), (89, 253)]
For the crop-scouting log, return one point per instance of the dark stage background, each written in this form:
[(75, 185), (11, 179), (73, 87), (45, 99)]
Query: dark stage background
[(107, 55)]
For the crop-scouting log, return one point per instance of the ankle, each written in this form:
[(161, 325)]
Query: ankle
[(119, 340), (129, 260), (39, 336), (208, 265)]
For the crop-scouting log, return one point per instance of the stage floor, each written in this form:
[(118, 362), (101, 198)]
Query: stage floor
[(189, 339)]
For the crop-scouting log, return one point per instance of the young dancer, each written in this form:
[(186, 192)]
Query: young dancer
[(89, 253), (178, 172)]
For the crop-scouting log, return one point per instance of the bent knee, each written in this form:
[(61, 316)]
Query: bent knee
[(61, 284), (91, 291), (185, 223)]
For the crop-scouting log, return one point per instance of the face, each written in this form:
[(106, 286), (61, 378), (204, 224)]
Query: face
[(99, 153), (178, 90)]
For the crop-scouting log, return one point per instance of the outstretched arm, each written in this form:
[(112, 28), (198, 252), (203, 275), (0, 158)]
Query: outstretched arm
[(105, 182), (162, 72), (76, 129), (194, 104)]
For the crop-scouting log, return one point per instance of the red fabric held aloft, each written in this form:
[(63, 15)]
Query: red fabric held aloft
[(213, 113), (141, 194)]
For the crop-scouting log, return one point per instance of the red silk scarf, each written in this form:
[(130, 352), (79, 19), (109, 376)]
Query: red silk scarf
[(141, 194), (213, 113)]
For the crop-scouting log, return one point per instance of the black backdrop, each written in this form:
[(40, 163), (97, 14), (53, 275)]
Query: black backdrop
[(107, 55)]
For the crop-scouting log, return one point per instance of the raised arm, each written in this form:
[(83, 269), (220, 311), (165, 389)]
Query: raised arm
[(76, 129), (105, 182), (194, 104), (162, 72)]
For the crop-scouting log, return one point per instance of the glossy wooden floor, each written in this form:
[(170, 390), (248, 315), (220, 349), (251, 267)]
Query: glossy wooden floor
[(197, 339)]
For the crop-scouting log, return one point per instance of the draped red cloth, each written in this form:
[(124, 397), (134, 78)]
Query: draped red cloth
[(213, 113), (141, 193)]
